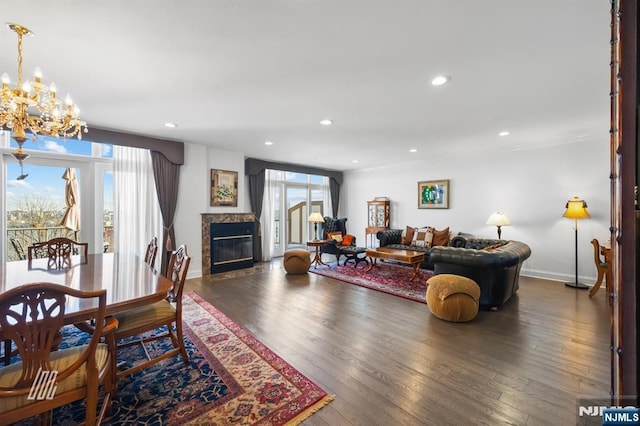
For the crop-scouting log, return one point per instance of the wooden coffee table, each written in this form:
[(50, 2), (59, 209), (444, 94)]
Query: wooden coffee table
[(410, 257)]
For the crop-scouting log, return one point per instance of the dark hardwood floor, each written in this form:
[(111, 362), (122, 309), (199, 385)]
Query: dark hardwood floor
[(389, 361)]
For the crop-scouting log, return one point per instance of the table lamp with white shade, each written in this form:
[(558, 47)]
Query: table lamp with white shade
[(498, 219), (316, 218)]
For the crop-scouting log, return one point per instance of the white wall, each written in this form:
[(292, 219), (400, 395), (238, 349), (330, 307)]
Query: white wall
[(194, 195), (531, 186)]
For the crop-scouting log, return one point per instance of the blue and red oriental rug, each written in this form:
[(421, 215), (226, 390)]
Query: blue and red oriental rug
[(231, 378)]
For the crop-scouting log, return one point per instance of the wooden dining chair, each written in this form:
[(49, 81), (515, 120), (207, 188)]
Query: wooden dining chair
[(152, 249), (59, 251), (42, 379), (601, 266), (166, 313)]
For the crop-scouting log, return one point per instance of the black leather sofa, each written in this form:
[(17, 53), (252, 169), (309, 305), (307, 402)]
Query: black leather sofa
[(493, 264), (392, 238)]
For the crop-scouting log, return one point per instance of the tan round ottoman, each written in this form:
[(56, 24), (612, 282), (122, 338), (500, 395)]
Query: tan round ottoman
[(452, 297), (296, 261)]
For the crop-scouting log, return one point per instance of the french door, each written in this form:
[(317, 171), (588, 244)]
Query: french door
[(295, 199)]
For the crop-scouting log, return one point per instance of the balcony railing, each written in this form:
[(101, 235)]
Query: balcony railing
[(18, 239)]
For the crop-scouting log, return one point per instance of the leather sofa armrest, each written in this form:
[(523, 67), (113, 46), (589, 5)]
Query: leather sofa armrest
[(389, 236), (510, 254)]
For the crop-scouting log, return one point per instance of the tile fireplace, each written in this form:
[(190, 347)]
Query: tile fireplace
[(227, 241)]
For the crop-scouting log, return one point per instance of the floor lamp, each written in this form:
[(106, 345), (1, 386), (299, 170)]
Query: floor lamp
[(576, 209)]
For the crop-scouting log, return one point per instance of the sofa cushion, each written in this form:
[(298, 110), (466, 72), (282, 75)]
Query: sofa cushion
[(407, 235), (423, 237), (440, 238)]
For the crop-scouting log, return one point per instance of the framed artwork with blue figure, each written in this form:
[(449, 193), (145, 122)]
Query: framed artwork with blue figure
[(433, 194)]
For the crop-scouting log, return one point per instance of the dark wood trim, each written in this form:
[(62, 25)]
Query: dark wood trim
[(627, 299)]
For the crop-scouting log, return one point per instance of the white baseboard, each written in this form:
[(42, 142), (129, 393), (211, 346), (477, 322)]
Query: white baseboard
[(588, 280)]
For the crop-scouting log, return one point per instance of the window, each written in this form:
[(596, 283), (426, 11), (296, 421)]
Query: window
[(35, 204), (297, 195)]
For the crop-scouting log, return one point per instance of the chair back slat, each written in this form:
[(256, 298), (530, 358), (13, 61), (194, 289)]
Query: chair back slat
[(177, 272), (152, 249)]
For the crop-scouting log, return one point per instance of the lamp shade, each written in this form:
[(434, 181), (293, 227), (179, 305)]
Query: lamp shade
[(498, 219), (576, 209), (315, 217)]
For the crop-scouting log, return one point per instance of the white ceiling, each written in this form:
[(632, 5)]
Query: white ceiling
[(235, 73)]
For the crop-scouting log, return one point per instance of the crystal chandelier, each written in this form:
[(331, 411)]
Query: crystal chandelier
[(33, 107)]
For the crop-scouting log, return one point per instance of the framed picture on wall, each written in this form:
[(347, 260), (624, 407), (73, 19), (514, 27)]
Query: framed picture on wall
[(224, 188), (433, 194)]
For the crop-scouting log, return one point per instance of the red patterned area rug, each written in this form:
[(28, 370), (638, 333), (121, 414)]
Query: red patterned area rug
[(386, 277), (231, 379), (269, 392)]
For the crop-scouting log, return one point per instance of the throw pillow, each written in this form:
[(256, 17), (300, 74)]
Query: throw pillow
[(347, 240), (407, 236), (423, 237), (440, 238), (335, 236), (493, 246)]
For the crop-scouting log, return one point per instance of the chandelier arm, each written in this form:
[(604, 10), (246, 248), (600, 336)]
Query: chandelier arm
[(19, 59)]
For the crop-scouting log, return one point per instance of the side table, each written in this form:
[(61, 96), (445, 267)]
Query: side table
[(317, 244)]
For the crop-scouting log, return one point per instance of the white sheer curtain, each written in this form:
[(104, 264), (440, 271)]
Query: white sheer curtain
[(136, 210), (267, 219), (327, 207)]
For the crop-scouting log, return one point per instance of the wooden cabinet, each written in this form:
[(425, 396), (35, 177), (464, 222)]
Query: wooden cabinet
[(378, 212)]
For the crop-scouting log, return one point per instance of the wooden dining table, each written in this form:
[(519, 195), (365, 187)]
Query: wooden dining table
[(129, 281)]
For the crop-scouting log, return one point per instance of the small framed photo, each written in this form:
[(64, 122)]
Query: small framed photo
[(433, 194), (224, 188)]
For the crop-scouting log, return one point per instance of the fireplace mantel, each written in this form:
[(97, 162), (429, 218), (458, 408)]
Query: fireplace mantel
[(207, 220)]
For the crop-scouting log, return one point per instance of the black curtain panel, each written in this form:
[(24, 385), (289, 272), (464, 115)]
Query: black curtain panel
[(167, 177), (334, 189), (256, 195)]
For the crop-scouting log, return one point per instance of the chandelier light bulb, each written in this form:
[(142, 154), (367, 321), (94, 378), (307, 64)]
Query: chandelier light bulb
[(68, 100), (26, 86), (5, 78), (37, 74), (53, 88)]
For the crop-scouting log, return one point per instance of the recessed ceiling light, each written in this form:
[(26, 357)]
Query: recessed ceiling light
[(503, 133), (440, 80), (326, 122), (268, 143), (354, 161), (413, 150), (170, 125)]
